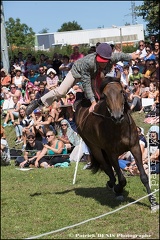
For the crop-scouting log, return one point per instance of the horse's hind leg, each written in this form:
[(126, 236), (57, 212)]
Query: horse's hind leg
[(98, 156), (136, 151)]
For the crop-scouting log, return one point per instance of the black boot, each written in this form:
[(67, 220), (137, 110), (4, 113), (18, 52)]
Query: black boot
[(33, 105)]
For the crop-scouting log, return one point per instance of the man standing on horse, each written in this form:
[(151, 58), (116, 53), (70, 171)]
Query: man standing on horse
[(90, 70)]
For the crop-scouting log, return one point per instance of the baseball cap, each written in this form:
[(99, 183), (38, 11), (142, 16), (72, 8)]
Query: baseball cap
[(135, 67), (30, 134)]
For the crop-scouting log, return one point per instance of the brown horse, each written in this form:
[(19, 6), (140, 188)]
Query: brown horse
[(110, 131)]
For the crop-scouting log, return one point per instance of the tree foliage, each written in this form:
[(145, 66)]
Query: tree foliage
[(70, 26), (44, 30), (19, 34), (149, 10)]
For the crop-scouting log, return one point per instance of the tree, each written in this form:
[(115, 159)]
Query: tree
[(149, 10), (44, 30), (70, 26), (19, 34)]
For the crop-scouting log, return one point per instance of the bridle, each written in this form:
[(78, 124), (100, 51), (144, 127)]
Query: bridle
[(108, 109)]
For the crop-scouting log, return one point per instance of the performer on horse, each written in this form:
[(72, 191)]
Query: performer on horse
[(90, 70)]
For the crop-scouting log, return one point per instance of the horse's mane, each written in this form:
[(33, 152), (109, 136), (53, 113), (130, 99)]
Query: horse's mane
[(108, 80)]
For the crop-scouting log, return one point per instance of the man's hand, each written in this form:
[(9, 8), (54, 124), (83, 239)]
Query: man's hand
[(91, 109), (22, 164), (36, 164)]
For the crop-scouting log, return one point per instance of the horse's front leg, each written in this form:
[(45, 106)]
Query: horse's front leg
[(136, 151), (118, 188)]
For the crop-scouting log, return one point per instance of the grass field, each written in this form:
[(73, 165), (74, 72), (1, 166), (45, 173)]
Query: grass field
[(43, 200)]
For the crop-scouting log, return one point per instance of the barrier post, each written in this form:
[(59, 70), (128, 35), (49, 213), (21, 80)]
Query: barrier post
[(78, 159)]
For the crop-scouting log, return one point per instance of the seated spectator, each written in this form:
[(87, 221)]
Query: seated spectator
[(149, 55), (143, 142), (75, 55), (32, 151), (42, 76), (5, 152), (30, 89), (78, 87), (8, 96), (56, 113), (42, 90), (156, 50), (135, 75), (151, 70), (118, 70), (27, 64), (56, 63), (141, 49), (92, 49), (42, 60), (23, 125), (67, 135), (65, 66), (52, 79), (154, 158), (70, 97), (126, 162), (134, 97), (154, 150), (5, 78), (54, 146), (32, 76), (152, 93), (125, 76), (12, 114), (45, 122), (36, 115), (33, 66), (19, 80)]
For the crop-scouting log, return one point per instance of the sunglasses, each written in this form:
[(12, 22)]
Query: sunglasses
[(148, 50), (141, 45), (47, 136), (135, 83), (31, 137), (151, 64), (63, 124)]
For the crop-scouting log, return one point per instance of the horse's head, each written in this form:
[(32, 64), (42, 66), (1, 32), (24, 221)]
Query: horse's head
[(114, 98)]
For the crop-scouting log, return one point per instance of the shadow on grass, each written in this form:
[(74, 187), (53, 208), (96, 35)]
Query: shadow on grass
[(100, 194)]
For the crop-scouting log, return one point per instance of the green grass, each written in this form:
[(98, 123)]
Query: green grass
[(42, 200)]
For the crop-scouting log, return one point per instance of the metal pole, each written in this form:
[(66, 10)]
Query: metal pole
[(4, 49), (121, 38)]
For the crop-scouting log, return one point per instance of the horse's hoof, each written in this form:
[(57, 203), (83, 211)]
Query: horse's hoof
[(108, 185), (154, 208), (120, 198)]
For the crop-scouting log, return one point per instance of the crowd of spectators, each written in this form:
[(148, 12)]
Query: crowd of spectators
[(30, 78)]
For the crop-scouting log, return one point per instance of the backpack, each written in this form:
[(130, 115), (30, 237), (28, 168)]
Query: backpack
[(14, 153)]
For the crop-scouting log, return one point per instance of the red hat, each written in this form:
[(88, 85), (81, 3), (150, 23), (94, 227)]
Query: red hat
[(101, 59)]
